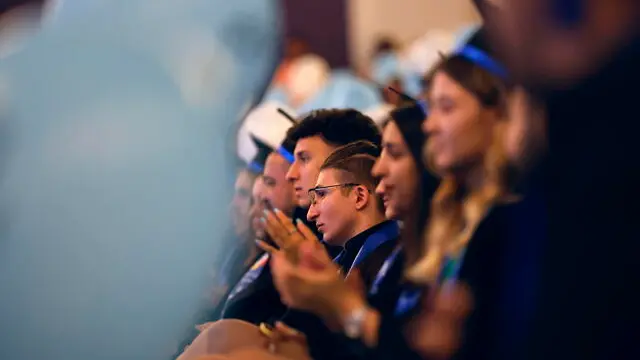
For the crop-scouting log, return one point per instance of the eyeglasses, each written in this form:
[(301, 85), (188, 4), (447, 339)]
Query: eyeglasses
[(319, 192)]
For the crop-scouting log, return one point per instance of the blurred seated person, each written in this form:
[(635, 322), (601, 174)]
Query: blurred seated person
[(273, 190), (580, 59), (313, 85), (276, 192), (344, 90), (247, 189), (239, 250), (234, 269), (308, 75), (384, 62), (294, 49), (242, 202)]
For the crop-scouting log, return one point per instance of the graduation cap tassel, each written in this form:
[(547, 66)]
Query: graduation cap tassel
[(287, 115), (405, 97)]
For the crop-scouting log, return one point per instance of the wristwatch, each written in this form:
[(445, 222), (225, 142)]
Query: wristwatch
[(353, 323)]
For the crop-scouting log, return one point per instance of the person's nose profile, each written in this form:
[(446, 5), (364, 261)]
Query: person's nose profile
[(429, 125), (379, 168), (292, 174), (312, 214)]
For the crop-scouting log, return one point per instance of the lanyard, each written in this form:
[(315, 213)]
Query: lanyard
[(380, 276), (387, 232)]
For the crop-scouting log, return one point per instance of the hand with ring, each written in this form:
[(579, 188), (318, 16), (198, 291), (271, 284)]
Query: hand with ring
[(286, 235)]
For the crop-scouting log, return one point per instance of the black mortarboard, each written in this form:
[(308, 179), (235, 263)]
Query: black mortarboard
[(287, 116), (288, 145), (409, 99), (257, 164)]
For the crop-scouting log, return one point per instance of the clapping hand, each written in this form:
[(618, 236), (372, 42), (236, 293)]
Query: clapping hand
[(286, 235), (437, 331), (316, 285)]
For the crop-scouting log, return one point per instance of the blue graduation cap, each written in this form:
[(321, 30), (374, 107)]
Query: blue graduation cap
[(113, 166)]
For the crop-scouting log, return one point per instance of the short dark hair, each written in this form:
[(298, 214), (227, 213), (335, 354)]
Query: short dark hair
[(355, 161), (337, 127)]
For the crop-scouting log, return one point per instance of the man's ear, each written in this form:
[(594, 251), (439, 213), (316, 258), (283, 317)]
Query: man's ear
[(363, 197)]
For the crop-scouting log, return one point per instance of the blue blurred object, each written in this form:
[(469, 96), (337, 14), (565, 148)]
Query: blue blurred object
[(276, 94), (385, 68), (114, 144), (412, 83), (344, 90)]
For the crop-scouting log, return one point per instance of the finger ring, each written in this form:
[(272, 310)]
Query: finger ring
[(293, 231)]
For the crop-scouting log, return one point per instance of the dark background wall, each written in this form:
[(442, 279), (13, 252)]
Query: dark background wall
[(307, 19)]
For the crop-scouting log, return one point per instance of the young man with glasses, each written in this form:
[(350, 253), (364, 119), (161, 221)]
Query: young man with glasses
[(343, 204)]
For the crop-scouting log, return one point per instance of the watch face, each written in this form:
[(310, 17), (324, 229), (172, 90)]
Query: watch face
[(353, 325), (352, 330)]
